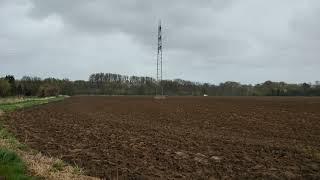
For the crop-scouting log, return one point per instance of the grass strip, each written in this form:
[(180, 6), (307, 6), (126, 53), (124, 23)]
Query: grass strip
[(7, 107), (11, 166)]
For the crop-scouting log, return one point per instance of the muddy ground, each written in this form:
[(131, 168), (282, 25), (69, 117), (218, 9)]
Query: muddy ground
[(180, 137)]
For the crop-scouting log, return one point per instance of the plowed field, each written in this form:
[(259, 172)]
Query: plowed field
[(180, 137)]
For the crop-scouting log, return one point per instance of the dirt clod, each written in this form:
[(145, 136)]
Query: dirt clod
[(182, 155), (215, 158)]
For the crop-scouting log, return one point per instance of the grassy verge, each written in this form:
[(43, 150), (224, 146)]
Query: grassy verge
[(11, 166), (17, 161), (25, 103)]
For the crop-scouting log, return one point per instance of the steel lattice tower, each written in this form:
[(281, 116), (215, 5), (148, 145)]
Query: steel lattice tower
[(159, 59)]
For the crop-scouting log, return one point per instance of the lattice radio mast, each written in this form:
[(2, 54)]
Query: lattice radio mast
[(159, 60)]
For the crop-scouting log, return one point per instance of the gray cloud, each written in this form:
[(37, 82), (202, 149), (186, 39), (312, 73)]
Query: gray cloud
[(210, 40)]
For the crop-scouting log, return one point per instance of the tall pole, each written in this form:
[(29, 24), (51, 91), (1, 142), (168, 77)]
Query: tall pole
[(159, 59)]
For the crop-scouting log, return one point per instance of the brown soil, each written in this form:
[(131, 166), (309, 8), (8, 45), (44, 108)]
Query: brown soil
[(179, 137)]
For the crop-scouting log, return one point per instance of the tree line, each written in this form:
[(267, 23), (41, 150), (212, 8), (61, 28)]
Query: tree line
[(116, 84)]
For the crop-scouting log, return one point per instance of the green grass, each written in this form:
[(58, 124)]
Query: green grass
[(12, 167), (7, 107), (58, 166), (77, 169), (8, 137)]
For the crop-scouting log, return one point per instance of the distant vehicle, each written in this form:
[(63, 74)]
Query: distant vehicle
[(205, 94)]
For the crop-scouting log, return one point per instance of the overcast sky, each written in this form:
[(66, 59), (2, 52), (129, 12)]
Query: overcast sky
[(248, 41)]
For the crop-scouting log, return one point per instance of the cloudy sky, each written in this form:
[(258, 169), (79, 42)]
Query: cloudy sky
[(248, 41)]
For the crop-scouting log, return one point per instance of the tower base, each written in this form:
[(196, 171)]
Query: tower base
[(159, 97)]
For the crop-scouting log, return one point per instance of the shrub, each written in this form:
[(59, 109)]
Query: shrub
[(48, 90), (4, 88)]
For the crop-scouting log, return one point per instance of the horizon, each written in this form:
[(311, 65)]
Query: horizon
[(43, 78)]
